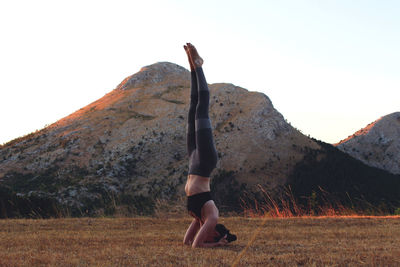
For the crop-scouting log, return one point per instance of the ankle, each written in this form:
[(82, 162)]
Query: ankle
[(198, 62)]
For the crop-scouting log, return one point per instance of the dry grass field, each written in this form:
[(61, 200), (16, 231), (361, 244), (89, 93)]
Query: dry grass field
[(144, 241)]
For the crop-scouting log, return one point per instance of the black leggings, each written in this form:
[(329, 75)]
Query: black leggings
[(200, 144)]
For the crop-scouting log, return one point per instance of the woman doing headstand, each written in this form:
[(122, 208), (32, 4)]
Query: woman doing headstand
[(202, 160)]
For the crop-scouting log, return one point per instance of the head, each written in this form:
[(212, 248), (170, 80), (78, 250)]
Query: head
[(219, 232), (222, 231)]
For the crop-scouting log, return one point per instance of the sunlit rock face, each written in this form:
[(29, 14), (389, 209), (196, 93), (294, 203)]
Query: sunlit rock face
[(378, 144), (131, 143)]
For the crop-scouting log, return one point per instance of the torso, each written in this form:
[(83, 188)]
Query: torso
[(196, 184)]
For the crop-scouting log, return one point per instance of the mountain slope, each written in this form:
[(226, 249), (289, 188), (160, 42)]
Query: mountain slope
[(378, 144), (131, 144)]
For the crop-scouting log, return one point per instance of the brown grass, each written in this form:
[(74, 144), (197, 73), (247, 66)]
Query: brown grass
[(310, 241)]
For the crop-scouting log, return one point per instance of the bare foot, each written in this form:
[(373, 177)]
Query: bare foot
[(197, 60), (192, 67)]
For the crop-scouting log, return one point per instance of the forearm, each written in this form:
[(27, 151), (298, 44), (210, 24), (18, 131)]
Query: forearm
[(191, 232), (201, 237), (188, 239)]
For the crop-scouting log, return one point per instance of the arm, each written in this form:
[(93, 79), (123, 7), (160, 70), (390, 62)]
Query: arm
[(211, 214), (191, 232), (202, 235)]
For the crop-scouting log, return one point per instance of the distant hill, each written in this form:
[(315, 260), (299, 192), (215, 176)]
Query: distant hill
[(331, 178), (378, 144), (124, 151)]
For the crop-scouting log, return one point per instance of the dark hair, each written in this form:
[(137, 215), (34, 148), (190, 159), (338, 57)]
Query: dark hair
[(222, 230)]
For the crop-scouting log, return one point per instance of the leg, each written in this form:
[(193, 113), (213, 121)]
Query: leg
[(204, 137), (201, 117), (190, 127), (207, 153), (191, 232), (204, 95)]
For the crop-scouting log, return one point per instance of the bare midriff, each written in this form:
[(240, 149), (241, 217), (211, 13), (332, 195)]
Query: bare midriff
[(196, 184)]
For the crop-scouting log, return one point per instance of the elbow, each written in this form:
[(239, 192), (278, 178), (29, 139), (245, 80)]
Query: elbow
[(187, 241), (197, 244)]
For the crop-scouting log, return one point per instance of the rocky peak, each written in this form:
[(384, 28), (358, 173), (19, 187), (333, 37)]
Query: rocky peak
[(156, 73), (377, 144)]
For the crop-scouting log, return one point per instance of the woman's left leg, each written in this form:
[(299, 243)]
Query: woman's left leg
[(204, 136), (190, 127), (191, 123)]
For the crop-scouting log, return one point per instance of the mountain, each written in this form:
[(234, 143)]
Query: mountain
[(131, 143), (124, 152), (378, 144)]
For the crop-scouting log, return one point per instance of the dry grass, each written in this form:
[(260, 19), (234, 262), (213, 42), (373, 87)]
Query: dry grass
[(309, 241)]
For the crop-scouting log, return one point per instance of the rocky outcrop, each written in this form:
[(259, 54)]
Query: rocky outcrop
[(378, 144), (130, 145)]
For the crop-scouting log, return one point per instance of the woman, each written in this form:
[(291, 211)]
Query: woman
[(202, 232)]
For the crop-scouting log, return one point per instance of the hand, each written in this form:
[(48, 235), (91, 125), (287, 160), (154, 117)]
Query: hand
[(223, 241)]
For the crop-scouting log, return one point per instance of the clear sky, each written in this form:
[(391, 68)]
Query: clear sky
[(330, 67)]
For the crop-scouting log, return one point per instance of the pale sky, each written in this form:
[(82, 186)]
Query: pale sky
[(330, 67)]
